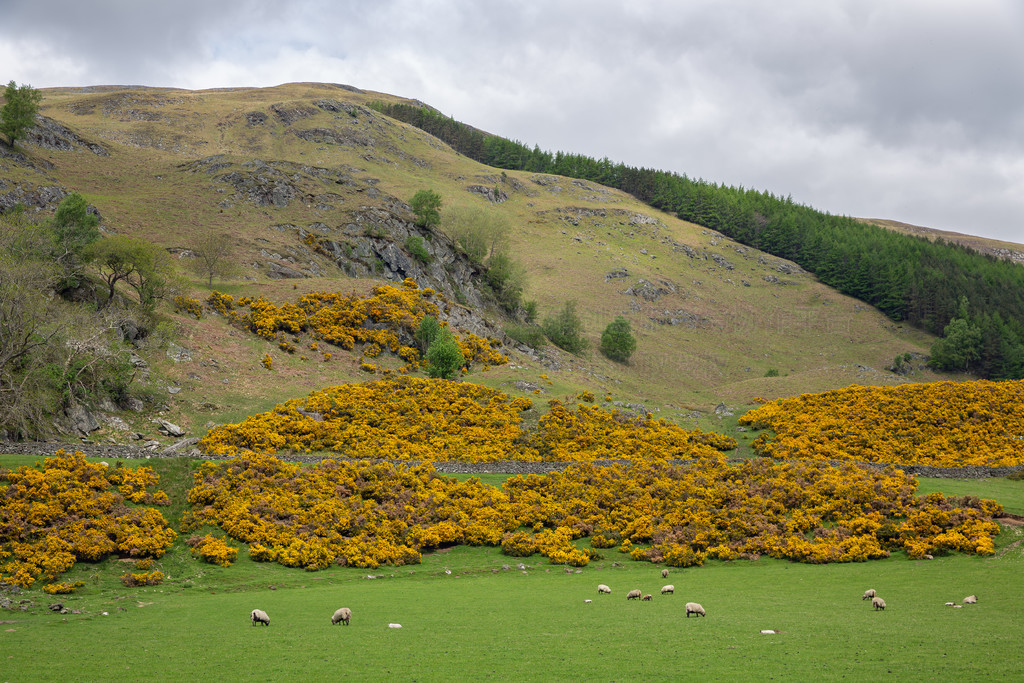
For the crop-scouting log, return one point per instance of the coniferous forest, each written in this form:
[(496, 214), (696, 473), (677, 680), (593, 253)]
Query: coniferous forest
[(973, 301)]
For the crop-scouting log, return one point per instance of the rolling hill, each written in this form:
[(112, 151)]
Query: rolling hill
[(309, 185)]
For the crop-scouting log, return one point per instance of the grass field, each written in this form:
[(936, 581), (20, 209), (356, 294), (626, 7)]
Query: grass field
[(490, 620)]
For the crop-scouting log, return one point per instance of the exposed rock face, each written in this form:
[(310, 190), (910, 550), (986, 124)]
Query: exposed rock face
[(82, 420), (49, 134), (649, 291), (493, 194)]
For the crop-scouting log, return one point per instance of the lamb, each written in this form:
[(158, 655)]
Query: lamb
[(633, 594), (869, 593), (343, 615), (647, 597), (259, 616), (668, 589), (694, 608), (664, 573), (878, 603), (604, 589), (971, 600)]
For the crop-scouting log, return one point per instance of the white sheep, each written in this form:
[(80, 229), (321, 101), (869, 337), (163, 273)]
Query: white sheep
[(604, 589), (647, 597), (664, 573), (694, 608), (869, 593), (970, 600), (343, 615), (258, 616), (634, 594), (878, 603), (668, 589)]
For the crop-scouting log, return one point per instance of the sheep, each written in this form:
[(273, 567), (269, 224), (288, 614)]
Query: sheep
[(604, 589), (970, 600), (869, 593), (694, 608), (634, 594), (668, 589), (664, 573), (647, 597), (878, 603), (259, 616), (343, 615)]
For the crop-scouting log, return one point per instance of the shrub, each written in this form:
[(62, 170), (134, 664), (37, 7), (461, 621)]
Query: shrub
[(62, 588), (426, 204), (519, 544), (213, 550), (444, 357), (414, 244), (531, 335), (772, 372), (145, 579), (617, 340), (565, 329)]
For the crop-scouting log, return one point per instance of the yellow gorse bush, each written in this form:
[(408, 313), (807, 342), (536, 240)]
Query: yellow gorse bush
[(946, 424), (379, 322), (71, 510), (367, 514), (433, 419)]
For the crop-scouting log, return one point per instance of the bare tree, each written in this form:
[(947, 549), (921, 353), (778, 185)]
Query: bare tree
[(213, 257)]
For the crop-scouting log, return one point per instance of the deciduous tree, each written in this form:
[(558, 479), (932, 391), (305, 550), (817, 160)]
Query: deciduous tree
[(21, 103), (617, 340)]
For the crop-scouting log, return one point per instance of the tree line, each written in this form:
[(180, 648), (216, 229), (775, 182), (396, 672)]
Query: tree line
[(973, 301)]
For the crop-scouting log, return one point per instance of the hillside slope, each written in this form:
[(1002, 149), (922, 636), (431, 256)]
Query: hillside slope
[(281, 172)]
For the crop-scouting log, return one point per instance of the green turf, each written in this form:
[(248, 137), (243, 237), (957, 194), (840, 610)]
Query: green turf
[(490, 620)]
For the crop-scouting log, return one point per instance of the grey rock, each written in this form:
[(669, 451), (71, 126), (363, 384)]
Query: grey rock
[(82, 420), (169, 428)]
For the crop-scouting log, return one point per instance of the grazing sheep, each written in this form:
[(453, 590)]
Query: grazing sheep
[(971, 600), (664, 573), (950, 604), (694, 608), (633, 594), (394, 626), (878, 603), (587, 602), (259, 616), (343, 615), (646, 597), (668, 589), (869, 593), (604, 589)]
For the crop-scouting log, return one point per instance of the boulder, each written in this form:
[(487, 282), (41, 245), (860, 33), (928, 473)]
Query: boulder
[(169, 428), (82, 420)]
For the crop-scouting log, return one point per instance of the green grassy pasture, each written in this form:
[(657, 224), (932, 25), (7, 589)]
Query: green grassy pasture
[(485, 622), (511, 625)]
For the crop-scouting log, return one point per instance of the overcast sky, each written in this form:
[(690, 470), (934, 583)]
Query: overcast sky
[(911, 110)]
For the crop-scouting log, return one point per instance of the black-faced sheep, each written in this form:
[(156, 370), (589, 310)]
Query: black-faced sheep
[(604, 589), (258, 616), (971, 600), (868, 594), (668, 589), (634, 594), (343, 615), (647, 597), (694, 608), (664, 573), (878, 603)]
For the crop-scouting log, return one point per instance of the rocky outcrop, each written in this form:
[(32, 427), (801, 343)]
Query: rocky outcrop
[(49, 134), (651, 292)]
